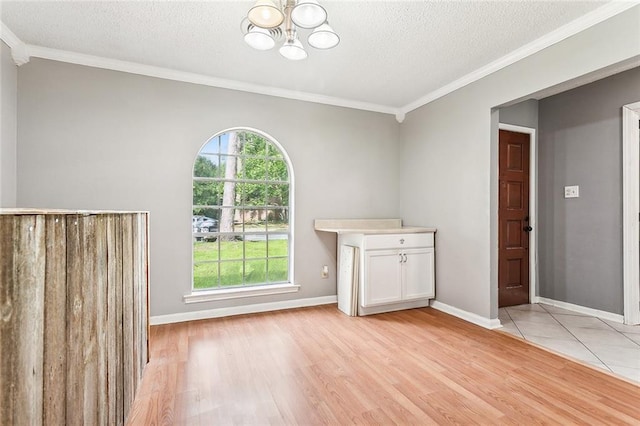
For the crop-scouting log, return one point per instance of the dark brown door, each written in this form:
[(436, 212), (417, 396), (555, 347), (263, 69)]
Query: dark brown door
[(513, 219)]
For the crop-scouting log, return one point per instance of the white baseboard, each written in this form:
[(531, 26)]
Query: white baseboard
[(467, 316), (582, 309), (239, 310)]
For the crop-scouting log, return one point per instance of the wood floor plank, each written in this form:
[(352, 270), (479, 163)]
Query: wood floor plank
[(318, 366)]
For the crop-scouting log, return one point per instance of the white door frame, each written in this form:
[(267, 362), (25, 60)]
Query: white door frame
[(533, 204), (631, 212)]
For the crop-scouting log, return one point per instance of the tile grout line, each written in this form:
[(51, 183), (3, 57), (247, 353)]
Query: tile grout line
[(514, 324), (581, 342)]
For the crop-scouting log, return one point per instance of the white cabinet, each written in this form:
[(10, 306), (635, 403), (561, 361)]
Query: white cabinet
[(382, 265), (388, 271), (418, 274), (397, 268), (382, 272)]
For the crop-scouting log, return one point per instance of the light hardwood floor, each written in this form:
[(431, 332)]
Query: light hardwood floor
[(318, 366)]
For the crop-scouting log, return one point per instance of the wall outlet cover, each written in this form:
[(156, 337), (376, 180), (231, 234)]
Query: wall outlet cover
[(571, 191)]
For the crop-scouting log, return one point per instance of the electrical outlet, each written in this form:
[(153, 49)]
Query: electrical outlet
[(325, 272), (571, 191)]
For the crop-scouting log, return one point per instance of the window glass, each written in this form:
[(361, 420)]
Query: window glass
[(241, 210)]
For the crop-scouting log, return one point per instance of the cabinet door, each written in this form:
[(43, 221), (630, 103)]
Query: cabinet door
[(382, 283), (418, 274)]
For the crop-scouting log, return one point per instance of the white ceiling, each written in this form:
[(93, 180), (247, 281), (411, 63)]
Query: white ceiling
[(391, 52)]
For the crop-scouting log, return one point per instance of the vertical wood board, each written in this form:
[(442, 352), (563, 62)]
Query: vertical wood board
[(29, 263), (55, 328), (127, 312), (7, 319)]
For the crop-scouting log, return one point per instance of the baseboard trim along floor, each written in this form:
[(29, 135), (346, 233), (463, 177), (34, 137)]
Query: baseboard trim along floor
[(241, 310)]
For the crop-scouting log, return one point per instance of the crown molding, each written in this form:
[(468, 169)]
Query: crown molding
[(586, 21), (187, 77), (19, 50), (22, 52)]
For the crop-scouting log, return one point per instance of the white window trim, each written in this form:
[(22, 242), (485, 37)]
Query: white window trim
[(196, 296), (240, 292)]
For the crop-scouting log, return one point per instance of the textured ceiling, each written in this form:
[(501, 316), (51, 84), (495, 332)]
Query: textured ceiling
[(391, 52)]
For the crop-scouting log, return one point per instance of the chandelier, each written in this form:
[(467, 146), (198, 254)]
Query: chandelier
[(270, 20)]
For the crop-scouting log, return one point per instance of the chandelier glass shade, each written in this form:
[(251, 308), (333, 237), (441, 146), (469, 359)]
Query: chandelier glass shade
[(259, 38), (268, 21), (308, 14), (323, 37), (293, 50), (266, 14)]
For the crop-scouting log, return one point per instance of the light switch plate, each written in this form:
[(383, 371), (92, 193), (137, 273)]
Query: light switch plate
[(571, 191)]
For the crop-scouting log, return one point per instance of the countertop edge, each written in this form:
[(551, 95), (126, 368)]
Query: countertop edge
[(368, 231)]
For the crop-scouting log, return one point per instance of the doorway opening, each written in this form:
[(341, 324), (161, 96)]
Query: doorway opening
[(516, 215)]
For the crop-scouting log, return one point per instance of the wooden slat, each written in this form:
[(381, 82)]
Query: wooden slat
[(101, 311), (89, 320), (82, 359), (55, 318), (7, 318), (28, 318), (136, 305), (319, 366), (75, 357), (145, 285), (114, 320), (144, 296), (127, 313)]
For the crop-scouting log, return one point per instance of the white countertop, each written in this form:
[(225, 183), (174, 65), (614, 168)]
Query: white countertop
[(368, 226)]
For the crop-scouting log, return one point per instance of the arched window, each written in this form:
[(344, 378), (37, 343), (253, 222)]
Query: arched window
[(242, 193)]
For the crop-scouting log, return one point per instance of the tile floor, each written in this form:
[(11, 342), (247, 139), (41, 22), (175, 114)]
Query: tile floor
[(605, 344)]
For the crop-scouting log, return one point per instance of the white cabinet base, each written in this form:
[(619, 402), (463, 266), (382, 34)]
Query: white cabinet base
[(390, 307)]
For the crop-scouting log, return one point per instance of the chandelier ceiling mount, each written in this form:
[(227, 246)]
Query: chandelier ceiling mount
[(268, 21)]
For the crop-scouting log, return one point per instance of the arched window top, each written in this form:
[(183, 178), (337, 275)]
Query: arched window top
[(241, 223)]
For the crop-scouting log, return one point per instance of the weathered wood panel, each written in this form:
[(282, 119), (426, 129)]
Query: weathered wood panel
[(101, 310), (114, 320), (7, 295), (55, 321), (28, 318), (75, 359), (127, 312), (135, 257), (73, 317)]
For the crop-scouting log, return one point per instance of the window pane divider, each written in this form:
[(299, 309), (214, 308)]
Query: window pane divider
[(256, 181)]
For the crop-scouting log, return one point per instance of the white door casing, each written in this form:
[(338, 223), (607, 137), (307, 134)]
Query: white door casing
[(631, 212)]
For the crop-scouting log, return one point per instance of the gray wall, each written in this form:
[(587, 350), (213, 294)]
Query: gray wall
[(8, 127), (523, 113), (449, 156), (580, 239), (98, 139)]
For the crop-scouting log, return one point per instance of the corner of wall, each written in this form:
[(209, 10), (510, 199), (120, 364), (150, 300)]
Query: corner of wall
[(8, 128)]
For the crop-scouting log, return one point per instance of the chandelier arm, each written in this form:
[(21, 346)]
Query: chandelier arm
[(289, 27)]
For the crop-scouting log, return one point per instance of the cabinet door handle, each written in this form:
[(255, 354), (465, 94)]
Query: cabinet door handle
[(405, 258), (400, 254)]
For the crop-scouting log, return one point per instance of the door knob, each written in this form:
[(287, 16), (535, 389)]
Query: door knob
[(527, 228)]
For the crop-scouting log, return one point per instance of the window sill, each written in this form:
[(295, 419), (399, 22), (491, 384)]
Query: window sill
[(235, 293)]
